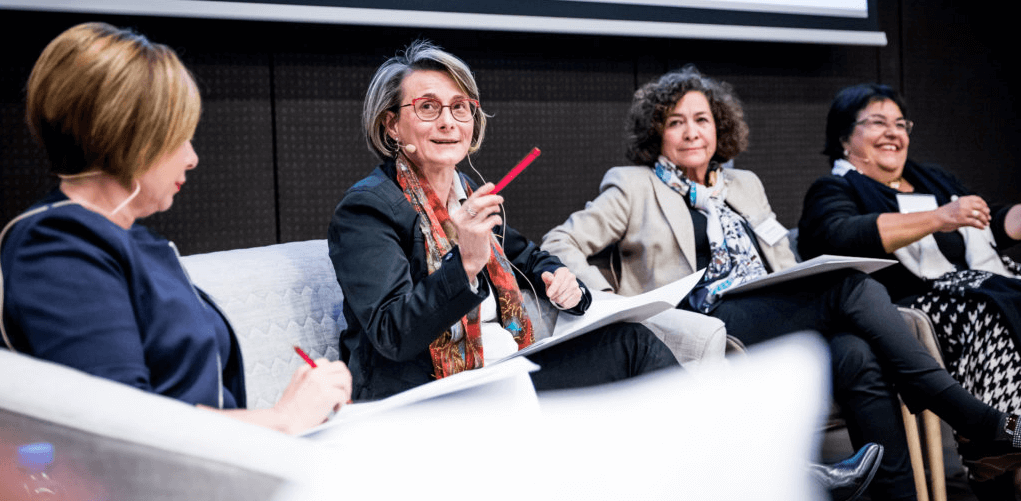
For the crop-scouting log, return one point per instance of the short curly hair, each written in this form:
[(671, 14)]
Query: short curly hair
[(654, 101)]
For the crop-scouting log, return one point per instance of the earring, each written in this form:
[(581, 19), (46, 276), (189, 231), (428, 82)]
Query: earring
[(845, 153), (393, 146)]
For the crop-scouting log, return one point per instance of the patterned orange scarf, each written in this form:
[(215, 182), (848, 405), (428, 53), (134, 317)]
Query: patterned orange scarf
[(460, 348)]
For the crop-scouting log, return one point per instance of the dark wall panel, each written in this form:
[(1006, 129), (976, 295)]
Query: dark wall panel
[(23, 164), (280, 139), (229, 199), (569, 105), (564, 105), (786, 112), (961, 91), (962, 94), (321, 152)]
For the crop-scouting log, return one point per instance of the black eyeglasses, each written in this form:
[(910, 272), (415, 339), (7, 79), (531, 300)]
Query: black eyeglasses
[(429, 109)]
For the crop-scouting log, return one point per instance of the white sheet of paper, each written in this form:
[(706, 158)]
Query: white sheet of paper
[(446, 386), (618, 309), (814, 266)]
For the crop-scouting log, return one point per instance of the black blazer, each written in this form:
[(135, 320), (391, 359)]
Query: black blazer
[(393, 307)]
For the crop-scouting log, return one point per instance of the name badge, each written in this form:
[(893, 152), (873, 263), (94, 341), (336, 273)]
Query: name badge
[(911, 202), (770, 231)]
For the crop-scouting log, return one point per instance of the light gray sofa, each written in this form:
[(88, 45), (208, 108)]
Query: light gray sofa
[(144, 446), (287, 294)]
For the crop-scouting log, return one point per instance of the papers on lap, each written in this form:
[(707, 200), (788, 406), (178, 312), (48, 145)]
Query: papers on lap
[(619, 309), (602, 312), (814, 266), (441, 387)]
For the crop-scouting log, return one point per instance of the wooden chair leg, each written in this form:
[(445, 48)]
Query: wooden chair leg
[(934, 444), (915, 452)]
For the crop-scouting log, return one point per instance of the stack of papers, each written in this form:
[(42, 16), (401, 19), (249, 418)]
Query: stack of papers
[(814, 266), (618, 309)]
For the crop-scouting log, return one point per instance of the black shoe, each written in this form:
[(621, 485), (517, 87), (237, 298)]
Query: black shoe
[(848, 479)]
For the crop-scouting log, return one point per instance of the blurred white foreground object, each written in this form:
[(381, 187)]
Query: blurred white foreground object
[(737, 432), (742, 431)]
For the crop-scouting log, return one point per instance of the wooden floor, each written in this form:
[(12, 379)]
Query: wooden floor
[(837, 446)]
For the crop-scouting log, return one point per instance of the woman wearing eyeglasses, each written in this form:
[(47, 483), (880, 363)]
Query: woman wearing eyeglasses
[(430, 276), (677, 210), (878, 203)]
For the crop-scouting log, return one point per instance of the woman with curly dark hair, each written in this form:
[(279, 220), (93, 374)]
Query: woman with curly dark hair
[(655, 100), (678, 211)]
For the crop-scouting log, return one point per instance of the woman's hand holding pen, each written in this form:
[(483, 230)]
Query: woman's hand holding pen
[(474, 223), (313, 393)]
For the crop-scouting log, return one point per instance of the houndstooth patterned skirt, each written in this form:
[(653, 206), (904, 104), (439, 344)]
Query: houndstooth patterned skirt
[(978, 348)]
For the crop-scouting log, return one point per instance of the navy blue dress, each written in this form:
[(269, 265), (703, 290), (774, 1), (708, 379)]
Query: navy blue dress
[(86, 293)]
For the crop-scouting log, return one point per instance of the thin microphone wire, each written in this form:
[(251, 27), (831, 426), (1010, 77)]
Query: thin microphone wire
[(3, 233), (503, 238)]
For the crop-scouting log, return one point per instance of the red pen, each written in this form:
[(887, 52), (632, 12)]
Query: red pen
[(304, 356), (515, 171)]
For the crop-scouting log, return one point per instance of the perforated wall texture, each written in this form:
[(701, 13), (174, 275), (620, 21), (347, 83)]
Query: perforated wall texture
[(280, 139)]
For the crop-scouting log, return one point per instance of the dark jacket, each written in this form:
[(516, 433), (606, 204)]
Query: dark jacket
[(393, 307), (840, 212), (86, 293)]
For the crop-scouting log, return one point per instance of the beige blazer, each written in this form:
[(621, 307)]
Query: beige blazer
[(652, 228)]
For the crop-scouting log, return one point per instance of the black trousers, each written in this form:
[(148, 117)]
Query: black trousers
[(611, 353), (871, 348), (871, 411)]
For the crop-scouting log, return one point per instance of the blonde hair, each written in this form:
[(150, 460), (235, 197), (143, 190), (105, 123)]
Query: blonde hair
[(108, 99), (384, 93)]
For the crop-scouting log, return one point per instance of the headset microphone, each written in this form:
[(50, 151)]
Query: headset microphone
[(859, 157)]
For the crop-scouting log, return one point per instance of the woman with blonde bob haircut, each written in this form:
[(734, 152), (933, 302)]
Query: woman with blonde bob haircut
[(85, 123), (87, 287)]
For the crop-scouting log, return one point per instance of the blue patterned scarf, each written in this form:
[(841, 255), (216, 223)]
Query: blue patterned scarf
[(733, 258)]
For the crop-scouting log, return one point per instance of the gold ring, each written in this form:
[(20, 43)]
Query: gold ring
[(974, 213)]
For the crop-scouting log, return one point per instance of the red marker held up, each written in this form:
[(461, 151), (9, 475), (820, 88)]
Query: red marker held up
[(516, 170)]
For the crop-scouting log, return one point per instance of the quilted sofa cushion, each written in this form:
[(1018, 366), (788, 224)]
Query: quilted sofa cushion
[(276, 297)]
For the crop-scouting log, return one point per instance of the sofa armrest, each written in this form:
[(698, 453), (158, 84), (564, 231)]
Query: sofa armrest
[(114, 441)]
